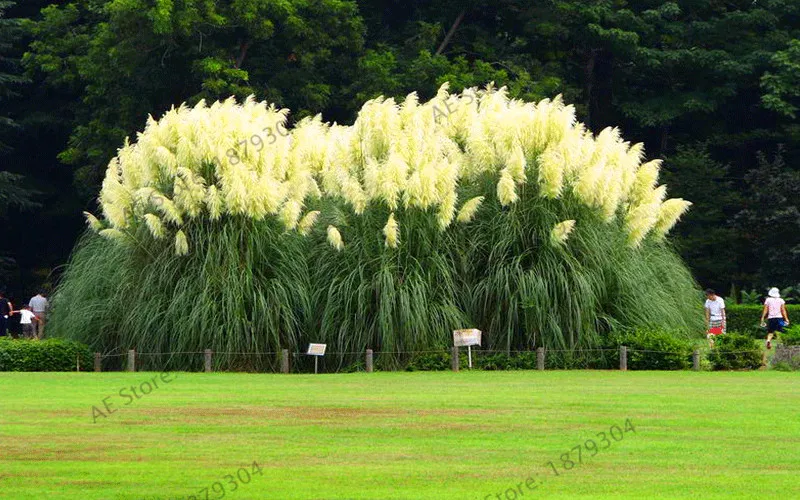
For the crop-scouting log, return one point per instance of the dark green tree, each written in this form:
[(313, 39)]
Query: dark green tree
[(129, 59), (770, 221)]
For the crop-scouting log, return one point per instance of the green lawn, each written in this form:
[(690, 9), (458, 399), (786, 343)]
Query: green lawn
[(402, 435)]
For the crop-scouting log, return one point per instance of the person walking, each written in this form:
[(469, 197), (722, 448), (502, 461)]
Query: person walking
[(39, 306), (5, 311), (715, 315), (775, 312)]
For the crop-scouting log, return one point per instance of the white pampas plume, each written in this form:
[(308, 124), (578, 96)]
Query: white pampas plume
[(469, 208), (154, 225), (391, 232), (561, 231), (308, 220), (335, 238), (506, 190), (181, 245), (113, 234), (671, 211), (93, 222)]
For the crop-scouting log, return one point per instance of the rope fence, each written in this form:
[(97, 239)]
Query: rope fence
[(285, 361)]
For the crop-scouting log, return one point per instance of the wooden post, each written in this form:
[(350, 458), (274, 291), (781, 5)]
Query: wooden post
[(285, 361), (369, 361), (623, 358), (131, 360), (207, 353), (455, 359), (97, 361), (696, 360), (540, 358)]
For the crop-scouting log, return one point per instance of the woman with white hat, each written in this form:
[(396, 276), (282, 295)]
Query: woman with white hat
[(775, 307)]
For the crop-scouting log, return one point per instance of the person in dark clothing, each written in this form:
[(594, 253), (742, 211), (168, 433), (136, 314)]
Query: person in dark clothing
[(5, 312)]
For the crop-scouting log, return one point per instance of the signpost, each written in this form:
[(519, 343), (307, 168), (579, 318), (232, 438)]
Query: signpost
[(316, 350), (468, 338)]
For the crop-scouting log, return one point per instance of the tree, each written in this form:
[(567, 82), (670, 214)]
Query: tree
[(770, 221), (12, 190), (782, 87), (10, 78), (134, 58)]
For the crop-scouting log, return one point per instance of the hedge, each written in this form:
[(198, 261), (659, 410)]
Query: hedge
[(734, 351), (648, 349), (51, 355), (654, 349), (745, 319)]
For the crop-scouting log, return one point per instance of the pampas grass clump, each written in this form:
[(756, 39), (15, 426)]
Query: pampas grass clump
[(222, 230)]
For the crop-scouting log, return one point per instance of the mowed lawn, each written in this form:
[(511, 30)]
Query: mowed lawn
[(468, 435)]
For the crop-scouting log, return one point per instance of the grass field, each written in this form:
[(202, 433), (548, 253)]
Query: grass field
[(385, 436)]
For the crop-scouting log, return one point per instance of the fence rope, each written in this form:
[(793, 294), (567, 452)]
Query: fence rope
[(442, 351)]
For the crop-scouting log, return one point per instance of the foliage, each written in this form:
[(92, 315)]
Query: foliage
[(706, 244), (127, 59), (782, 88), (745, 319), (430, 361), (734, 351), (51, 355), (791, 337), (771, 219), (654, 349), (10, 79)]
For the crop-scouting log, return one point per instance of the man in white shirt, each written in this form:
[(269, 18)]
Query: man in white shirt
[(39, 305), (715, 312)]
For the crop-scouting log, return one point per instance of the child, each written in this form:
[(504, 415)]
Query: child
[(26, 315), (775, 306)]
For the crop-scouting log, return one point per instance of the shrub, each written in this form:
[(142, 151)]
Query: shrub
[(52, 355), (735, 352), (791, 336), (783, 366), (582, 359), (744, 319), (430, 361), (504, 361), (654, 349)]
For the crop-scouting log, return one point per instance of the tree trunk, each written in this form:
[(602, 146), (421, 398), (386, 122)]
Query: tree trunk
[(450, 33), (242, 53), (588, 72)]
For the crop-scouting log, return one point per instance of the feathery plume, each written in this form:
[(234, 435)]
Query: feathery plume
[(468, 209), (335, 238), (181, 245), (391, 232), (561, 231)]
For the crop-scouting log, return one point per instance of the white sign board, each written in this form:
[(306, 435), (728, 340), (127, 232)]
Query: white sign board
[(465, 338), (316, 349)]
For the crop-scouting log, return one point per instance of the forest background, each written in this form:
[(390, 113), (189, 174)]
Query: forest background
[(712, 87)]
